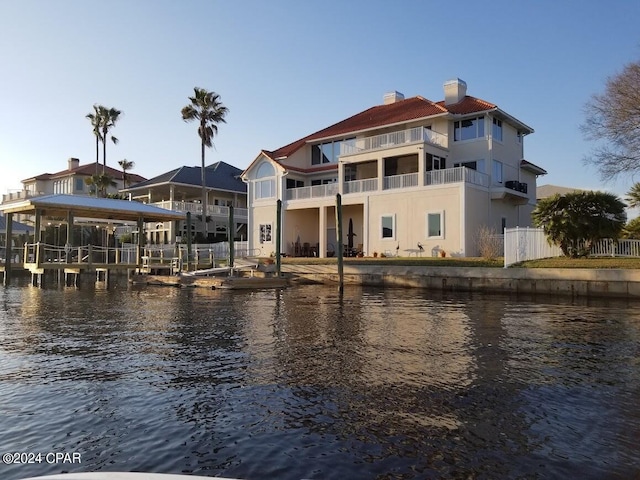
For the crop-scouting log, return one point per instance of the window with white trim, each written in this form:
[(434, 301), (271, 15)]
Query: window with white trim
[(435, 224), (496, 171), (468, 129), (473, 165), (265, 188), (265, 233), (497, 129), (388, 227)]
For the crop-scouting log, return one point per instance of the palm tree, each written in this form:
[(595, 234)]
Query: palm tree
[(633, 196), (208, 110), (575, 220), (108, 119), (100, 183), (95, 119), (126, 165)]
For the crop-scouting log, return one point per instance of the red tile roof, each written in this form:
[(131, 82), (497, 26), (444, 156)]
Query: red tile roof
[(402, 111), (89, 169)]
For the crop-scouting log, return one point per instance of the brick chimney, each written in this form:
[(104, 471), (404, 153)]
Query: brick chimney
[(73, 163), (392, 97), (454, 91)]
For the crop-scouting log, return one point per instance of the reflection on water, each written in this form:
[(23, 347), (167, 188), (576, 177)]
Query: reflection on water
[(305, 383)]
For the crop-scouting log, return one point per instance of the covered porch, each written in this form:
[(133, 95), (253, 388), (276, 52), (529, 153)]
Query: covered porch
[(312, 232)]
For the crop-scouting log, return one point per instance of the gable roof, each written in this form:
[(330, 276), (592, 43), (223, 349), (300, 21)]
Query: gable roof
[(88, 170), (410, 109), (16, 227), (218, 176)]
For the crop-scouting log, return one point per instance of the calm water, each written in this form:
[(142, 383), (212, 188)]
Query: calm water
[(302, 383)]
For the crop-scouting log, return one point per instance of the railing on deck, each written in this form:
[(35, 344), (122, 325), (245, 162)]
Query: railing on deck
[(456, 175), (359, 186), (393, 139), (42, 253), (196, 208), (314, 191), (400, 181)]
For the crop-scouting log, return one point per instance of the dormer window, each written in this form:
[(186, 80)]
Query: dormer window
[(468, 129)]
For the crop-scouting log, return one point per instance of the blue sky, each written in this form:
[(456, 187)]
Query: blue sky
[(288, 68)]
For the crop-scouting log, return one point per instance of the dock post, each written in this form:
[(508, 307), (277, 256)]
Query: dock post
[(188, 241), (231, 233)]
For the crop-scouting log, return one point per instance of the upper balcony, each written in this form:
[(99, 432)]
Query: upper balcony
[(18, 195), (391, 182), (409, 136), (314, 191), (196, 209)]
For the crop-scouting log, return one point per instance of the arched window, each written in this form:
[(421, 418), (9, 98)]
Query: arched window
[(265, 170), (265, 183)]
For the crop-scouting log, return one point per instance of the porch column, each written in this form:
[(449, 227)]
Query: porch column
[(69, 242), (69, 227), (173, 226), (380, 173), (8, 218), (36, 226), (365, 226), (422, 160), (322, 226)]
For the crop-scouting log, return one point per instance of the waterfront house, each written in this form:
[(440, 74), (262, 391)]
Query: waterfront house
[(180, 190), (416, 177), (71, 181)]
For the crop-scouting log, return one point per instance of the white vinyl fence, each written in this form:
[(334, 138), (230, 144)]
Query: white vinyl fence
[(521, 244)]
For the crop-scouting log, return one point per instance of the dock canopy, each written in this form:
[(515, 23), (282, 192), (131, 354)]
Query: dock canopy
[(60, 205)]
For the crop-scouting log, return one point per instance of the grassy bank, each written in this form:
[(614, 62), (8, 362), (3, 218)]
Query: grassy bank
[(559, 262)]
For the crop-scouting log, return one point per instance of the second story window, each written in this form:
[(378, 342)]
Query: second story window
[(265, 183), (327, 152), (497, 171), (497, 129), (468, 129)]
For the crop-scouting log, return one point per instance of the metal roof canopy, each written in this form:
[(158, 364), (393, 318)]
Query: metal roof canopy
[(60, 205)]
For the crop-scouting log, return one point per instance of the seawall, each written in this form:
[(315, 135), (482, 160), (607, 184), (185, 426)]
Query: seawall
[(620, 283)]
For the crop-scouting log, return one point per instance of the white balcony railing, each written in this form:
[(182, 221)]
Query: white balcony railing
[(196, 208), (407, 180), (315, 191), (14, 196), (456, 175), (400, 181), (393, 139), (359, 186)]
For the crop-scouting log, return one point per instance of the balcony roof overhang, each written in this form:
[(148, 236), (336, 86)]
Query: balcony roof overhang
[(531, 167)]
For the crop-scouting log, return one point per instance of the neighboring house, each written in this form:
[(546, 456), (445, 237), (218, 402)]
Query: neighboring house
[(410, 172), (20, 234), (72, 180), (545, 191), (181, 190)]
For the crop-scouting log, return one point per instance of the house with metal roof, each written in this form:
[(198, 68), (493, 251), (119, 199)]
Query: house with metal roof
[(415, 177), (180, 190)]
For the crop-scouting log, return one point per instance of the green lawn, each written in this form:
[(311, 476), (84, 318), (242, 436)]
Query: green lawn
[(559, 262)]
